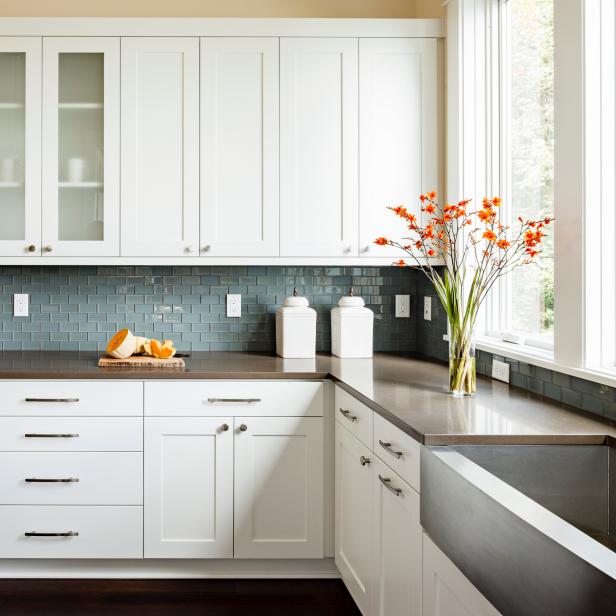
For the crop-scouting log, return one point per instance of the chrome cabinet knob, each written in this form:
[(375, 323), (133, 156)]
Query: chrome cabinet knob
[(363, 460), (366, 249), (224, 427), (205, 248), (243, 428), (347, 249), (47, 248), (190, 249), (31, 248)]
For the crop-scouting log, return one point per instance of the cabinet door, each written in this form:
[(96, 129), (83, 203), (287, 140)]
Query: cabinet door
[(188, 487), (81, 138), (160, 147), (20, 146), (446, 591), (278, 487), (397, 551), (354, 516), (239, 146), (318, 147), (398, 156)]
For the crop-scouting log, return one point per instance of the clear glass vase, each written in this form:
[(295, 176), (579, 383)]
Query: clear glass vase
[(462, 365)]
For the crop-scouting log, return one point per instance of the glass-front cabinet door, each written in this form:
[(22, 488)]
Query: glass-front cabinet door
[(20, 146), (81, 130)]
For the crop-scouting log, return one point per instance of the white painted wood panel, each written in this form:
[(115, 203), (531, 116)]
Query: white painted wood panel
[(71, 398), (279, 487), (188, 488), (398, 134), (230, 398), (98, 478), (160, 146), (31, 47), (239, 146), (71, 434), (103, 532), (446, 591), (52, 167), (318, 147), (354, 517), (397, 551)]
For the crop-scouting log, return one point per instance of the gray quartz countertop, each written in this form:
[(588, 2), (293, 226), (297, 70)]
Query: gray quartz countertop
[(411, 392)]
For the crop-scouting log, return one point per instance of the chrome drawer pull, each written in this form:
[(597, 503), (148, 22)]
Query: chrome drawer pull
[(52, 399), (64, 480), (35, 435), (232, 400), (70, 533), (348, 415), (387, 447), (387, 483), (363, 460)]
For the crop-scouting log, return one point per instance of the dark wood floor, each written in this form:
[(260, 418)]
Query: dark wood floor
[(175, 597)]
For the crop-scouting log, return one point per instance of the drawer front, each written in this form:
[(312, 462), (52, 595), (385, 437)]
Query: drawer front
[(398, 450), (71, 434), (354, 416), (66, 398), (241, 398), (102, 532), (81, 478)]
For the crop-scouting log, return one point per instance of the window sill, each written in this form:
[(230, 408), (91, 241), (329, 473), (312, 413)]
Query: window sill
[(543, 359)]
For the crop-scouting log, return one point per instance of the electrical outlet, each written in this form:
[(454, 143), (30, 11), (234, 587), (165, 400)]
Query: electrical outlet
[(427, 308), (500, 370), (20, 305), (403, 306), (234, 305)]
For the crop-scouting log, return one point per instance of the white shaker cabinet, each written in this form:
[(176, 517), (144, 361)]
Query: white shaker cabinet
[(397, 550), (446, 591), (81, 135), (160, 146), (279, 487), (239, 146), (354, 553), (188, 487), (398, 125), (318, 147), (20, 146)]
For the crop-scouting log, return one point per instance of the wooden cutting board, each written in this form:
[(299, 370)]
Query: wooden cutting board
[(140, 361)]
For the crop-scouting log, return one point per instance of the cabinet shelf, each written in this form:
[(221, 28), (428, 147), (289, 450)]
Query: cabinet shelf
[(11, 184), (11, 106), (80, 184), (77, 106)]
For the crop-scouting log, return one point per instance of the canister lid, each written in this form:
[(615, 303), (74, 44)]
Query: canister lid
[(351, 301), (295, 301)]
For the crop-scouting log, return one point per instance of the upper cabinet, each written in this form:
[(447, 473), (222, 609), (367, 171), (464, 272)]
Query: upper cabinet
[(318, 147), (160, 147), (398, 125), (20, 146), (81, 132), (239, 146)]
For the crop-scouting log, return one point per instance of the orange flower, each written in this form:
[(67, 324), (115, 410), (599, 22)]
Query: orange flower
[(497, 201), (422, 198), (485, 202), (503, 244), (432, 195), (381, 241), (486, 214), (400, 263), (418, 245), (489, 235), (428, 232), (428, 208), (431, 252)]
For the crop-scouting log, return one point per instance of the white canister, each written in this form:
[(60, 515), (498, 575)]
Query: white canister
[(296, 328), (75, 169), (352, 325)]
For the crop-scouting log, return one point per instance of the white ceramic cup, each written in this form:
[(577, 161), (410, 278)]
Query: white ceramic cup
[(75, 169)]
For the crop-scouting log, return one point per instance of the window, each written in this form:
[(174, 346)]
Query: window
[(523, 308)]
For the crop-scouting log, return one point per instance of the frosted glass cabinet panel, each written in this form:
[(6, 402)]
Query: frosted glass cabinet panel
[(81, 146), (20, 146)]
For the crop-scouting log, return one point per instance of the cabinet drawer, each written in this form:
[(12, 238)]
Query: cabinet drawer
[(66, 398), (354, 416), (398, 450), (86, 478), (102, 532), (244, 398), (71, 434)]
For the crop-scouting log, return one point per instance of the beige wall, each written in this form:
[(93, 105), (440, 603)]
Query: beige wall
[(221, 8)]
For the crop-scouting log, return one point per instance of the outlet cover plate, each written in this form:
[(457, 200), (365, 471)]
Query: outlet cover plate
[(500, 370), (403, 306), (427, 308), (20, 305), (234, 305)]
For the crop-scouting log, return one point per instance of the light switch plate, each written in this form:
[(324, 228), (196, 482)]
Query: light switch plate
[(234, 305), (403, 306), (427, 308), (500, 370), (20, 305)]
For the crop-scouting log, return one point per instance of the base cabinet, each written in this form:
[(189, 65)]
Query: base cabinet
[(188, 491), (446, 591)]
